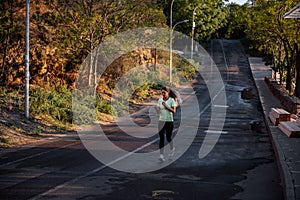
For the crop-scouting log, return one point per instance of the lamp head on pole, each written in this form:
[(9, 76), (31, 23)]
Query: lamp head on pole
[(184, 21)]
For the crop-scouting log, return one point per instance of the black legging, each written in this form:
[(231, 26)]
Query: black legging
[(165, 127)]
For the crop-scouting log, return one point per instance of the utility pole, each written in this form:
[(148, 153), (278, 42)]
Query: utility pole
[(171, 35), (27, 73), (193, 30)]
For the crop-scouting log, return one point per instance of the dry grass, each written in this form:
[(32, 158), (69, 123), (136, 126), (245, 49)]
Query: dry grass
[(16, 130)]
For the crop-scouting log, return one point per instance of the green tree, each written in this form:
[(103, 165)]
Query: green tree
[(209, 16), (275, 35), (8, 30), (75, 27), (236, 22)]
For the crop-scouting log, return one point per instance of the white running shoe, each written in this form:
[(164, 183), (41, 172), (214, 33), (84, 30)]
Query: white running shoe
[(162, 158), (171, 154)]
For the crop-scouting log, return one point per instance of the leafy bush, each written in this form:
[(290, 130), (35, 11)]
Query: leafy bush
[(55, 102), (103, 106), (4, 140)]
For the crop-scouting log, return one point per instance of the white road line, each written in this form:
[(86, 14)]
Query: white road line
[(216, 132), (221, 106)]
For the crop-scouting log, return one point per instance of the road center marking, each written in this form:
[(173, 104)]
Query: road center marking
[(216, 132), (221, 106)]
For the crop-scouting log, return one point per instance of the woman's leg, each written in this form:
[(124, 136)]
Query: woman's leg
[(161, 132), (169, 130)]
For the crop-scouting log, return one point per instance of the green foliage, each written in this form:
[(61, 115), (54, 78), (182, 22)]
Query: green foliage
[(209, 16), (84, 110), (88, 106), (10, 125), (236, 22), (274, 35), (10, 31), (103, 106), (8, 20), (81, 27), (63, 33), (186, 69), (35, 132), (10, 99), (4, 140), (55, 102)]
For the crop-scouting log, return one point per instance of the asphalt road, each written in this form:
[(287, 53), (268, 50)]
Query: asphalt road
[(240, 166)]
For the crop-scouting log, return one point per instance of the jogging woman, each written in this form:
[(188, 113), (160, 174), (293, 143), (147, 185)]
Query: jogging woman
[(166, 107)]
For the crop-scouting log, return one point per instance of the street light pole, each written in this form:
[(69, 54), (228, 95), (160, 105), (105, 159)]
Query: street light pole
[(193, 30), (171, 35), (27, 74), (171, 48)]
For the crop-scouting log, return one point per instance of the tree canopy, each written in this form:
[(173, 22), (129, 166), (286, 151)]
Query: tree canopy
[(276, 36), (63, 33), (209, 16)]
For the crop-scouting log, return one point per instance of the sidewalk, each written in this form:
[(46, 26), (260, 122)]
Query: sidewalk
[(287, 150)]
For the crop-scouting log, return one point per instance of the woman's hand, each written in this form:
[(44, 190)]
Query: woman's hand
[(172, 109), (164, 104)]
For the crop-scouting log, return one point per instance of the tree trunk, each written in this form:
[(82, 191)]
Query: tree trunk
[(297, 89), (288, 85), (95, 71), (5, 55), (91, 67), (288, 81), (7, 42), (90, 11)]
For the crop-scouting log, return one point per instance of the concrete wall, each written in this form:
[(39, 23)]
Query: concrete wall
[(289, 102)]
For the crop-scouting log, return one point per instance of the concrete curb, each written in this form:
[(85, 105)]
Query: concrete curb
[(274, 132)]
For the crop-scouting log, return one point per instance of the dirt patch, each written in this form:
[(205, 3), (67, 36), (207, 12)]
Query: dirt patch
[(16, 130)]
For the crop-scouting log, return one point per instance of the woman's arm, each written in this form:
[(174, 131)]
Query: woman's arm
[(171, 109), (157, 108)]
